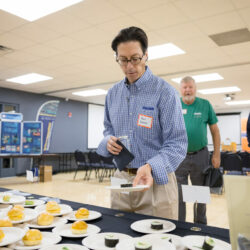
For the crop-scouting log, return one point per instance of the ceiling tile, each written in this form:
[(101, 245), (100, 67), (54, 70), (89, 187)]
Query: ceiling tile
[(213, 57), (96, 11), (137, 6), (241, 3), (92, 36), (14, 41), (113, 27), (42, 51), (197, 9), (160, 17), (221, 23), (35, 32), (9, 21), (245, 14), (180, 32), (63, 23), (64, 44), (22, 57), (196, 44)]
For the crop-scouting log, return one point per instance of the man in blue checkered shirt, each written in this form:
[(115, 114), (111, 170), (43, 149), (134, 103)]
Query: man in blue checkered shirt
[(145, 110)]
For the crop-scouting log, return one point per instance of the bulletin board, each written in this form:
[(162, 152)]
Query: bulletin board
[(10, 137), (32, 138)]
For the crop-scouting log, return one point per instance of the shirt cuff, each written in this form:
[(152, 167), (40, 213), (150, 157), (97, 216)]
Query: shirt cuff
[(102, 148), (159, 172)]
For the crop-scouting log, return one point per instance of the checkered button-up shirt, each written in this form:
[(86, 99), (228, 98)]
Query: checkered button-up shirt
[(149, 113)]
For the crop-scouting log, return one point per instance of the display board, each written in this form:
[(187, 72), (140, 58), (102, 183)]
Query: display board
[(32, 138), (95, 125), (47, 115), (229, 126), (10, 137)]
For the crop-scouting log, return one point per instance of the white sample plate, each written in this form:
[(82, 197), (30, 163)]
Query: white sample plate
[(127, 189), (29, 214), (195, 242), (5, 207), (176, 239), (92, 216), (36, 203), (69, 246), (14, 199), (156, 245), (48, 239), (97, 241), (65, 209), (12, 234), (144, 226), (65, 230), (57, 221)]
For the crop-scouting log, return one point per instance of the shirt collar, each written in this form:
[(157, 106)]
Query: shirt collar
[(141, 81)]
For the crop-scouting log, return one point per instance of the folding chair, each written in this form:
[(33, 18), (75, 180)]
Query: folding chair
[(232, 164), (96, 163), (108, 168), (82, 164)]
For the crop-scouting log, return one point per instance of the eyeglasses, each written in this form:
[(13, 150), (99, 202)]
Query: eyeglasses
[(133, 61)]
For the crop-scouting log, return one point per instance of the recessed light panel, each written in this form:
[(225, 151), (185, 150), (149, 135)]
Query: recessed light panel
[(29, 78), (219, 90), (32, 10), (202, 78), (243, 102), (92, 92), (164, 50)]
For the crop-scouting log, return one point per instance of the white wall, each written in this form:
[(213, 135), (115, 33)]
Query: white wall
[(244, 114), (95, 125)]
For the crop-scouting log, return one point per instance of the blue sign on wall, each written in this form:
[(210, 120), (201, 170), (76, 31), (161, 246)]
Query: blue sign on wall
[(4, 116), (32, 138), (47, 115), (10, 137)]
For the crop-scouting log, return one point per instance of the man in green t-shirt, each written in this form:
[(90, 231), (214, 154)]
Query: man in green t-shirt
[(198, 113)]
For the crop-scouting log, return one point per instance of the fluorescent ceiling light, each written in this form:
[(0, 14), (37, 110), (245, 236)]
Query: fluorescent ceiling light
[(92, 92), (32, 10), (202, 78), (244, 102), (29, 78), (219, 90), (164, 50)]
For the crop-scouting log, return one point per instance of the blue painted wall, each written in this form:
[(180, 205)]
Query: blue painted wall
[(68, 135)]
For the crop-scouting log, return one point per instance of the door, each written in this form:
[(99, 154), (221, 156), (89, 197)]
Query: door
[(7, 167)]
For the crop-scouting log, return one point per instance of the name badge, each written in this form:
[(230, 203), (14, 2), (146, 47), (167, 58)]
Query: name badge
[(184, 111), (145, 121)]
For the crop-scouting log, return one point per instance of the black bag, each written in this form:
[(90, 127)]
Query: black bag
[(124, 158), (213, 177)]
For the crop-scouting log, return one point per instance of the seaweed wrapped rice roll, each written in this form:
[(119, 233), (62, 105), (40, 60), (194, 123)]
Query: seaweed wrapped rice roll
[(126, 185), (140, 245), (111, 240), (157, 225), (208, 243)]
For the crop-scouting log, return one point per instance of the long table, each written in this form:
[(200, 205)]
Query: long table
[(110, 222)]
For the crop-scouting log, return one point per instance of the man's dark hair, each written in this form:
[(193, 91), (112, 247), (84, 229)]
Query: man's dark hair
[(131, 34)]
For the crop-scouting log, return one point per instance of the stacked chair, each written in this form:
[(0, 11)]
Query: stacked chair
[(82, 164)]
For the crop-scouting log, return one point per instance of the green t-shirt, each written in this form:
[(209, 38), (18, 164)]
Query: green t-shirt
[(197, 115)]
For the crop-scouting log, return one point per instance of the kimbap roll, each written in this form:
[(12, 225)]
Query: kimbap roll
[(208, 243), (157, 225), (111, 240), (126, 185), (167, 238), (142, 246)]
